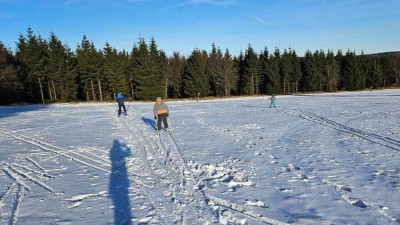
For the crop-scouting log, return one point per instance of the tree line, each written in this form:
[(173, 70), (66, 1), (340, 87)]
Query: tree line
[(45, 71)]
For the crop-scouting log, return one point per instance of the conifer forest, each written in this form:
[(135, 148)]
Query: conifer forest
[(45, 70)]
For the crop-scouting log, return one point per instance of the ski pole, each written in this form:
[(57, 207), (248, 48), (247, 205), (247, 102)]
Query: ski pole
[(155, 121)]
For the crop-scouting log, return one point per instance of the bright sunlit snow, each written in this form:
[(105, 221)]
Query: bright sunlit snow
[(315, 159)]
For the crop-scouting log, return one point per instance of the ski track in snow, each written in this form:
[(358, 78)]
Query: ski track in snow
[(342, 189), (16, 178), (7, 192), (19, 177), (375, 138), (154, 197), (168, 177), (80, 158), (17, 205), (165, 161), (17, 187), (30, 178), (170, 190), (35, 163)]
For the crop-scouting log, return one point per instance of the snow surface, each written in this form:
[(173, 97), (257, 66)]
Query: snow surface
[(315, 159)]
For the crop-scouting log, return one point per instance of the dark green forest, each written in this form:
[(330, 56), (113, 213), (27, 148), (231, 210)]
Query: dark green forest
[(48, 71)]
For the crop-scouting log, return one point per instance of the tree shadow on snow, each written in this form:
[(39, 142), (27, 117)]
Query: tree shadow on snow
[(7, 111), (119, 183), (150, 122)]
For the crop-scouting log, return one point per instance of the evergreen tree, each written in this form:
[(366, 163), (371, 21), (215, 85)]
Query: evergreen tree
[(263, 69), (274, 73), (375, 73), (286, 70), (176, 65), (88, 66), (364, 70), (228, 71), (340, 60), (393, 70), (61, 70), (310, 72), (195, 80), (69, 80), (114, 70), (11, 87), (163, 70), (296, 71), (56, 67), (251, 72), (214, 71), (332, 72), (241, 77), (32, 57), (319, 66), (352, 78), (148, 64)]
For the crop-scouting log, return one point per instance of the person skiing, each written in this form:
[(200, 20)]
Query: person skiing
[(273, 101), (121, 104), (161, 112)]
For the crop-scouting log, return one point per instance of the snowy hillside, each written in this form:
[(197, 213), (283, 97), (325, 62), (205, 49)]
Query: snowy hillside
[(315, 159)]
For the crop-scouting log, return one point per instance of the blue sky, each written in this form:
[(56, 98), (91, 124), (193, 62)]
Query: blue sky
[(183, 25)]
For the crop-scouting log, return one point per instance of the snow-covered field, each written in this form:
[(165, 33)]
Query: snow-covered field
[(315, 159)]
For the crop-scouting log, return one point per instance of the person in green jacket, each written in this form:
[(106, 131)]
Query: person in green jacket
[(273, 101)]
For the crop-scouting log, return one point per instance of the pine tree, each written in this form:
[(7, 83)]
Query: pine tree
[(309, 68), (176, 65), (195, 80), (251, 72), (228, 73), (69, 80), (340, 60), (351, 72), (375, 73), (332, 72), (364, 70), (32, 57), (274, 73), (148, 64), (263, 69), (61, 71), (393, 70), (215, 72), (88, 66), (56, 67), (286, 70), (114, 72), (11, 87), (241, 77), (296, 71), (319, 63)]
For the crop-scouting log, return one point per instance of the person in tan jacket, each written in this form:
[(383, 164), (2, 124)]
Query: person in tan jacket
[(161, 112)]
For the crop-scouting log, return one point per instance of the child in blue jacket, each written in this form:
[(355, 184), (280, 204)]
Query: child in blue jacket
[(121, 104)]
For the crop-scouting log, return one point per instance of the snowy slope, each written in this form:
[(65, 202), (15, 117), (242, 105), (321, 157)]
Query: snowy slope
[(315, 159)]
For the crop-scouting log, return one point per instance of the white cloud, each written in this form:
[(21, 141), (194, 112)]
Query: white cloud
[(260, 20), (71, 2)]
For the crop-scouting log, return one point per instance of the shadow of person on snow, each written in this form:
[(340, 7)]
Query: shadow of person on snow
[(150, 122), (119, 183)]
